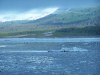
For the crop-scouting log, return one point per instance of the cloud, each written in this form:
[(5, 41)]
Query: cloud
[(28, 15)]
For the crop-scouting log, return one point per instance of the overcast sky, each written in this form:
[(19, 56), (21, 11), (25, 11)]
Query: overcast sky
[(24, 5)]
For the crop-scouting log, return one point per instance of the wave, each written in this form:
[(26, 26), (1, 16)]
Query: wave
[(2, 46)]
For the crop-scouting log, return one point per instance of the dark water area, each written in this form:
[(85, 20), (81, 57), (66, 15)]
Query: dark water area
[(45, 56)]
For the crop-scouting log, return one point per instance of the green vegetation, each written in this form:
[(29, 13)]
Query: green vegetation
[(86, 31), (64, 32)]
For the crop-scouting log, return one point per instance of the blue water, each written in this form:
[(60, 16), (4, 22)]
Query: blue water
[(31, 56), (21, 40)]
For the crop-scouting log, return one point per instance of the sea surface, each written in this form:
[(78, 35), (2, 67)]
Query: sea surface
[(50, 56)]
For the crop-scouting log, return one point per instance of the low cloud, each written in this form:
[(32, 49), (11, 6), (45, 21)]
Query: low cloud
[(28, 15)]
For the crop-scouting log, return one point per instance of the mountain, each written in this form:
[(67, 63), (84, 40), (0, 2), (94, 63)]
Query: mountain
[(65, 16), (62, 23)]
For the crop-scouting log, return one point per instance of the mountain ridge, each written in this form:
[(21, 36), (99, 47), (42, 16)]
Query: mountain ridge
[(61, 19)]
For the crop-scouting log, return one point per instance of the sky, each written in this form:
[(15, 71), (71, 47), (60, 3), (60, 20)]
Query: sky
[(41, 8)]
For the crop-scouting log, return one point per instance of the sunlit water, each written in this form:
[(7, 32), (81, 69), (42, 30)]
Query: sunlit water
[(31, 56)]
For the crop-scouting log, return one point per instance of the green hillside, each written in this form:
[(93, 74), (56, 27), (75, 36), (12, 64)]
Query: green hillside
[(77, 22)]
